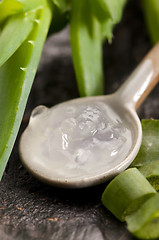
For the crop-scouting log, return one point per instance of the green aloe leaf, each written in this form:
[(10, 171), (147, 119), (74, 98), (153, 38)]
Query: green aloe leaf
[(19, 72), (8, 8), (151, 12), (61, 4), (29, 5), (149, 151), (115, 8), (151, 172), (14, 33), (105, 9), (101, 12), (86, 39), (109, 13), (126, 193), (144, 223), (107, 30)]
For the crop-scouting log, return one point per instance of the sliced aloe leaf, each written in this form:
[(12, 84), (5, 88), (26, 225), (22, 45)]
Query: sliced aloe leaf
[(151, 12), (144, 223), (151, 172), (8, 8), (149, 151), (14, 33), (18, 73), (126, 193), (86, 37)]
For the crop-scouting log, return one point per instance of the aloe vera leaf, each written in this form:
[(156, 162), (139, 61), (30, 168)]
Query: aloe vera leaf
[(149, 151), (108, 8), (151, 172), (151, 13), (113, 9), (86, 38), (105, 20), (14, 33), (19, 72), (29, 5), (101, 12), (61, 4), (107, 30), (8, 8), (144, 223), (108, 13), (126, 193)]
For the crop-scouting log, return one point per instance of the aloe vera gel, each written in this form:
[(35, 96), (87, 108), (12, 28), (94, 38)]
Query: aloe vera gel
[(76, 140)]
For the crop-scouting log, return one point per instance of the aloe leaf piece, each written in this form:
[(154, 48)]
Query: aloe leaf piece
[(14, 33), (151, 13), (86, 38), (149, 151), (151, 172), (126, 193), (18, 73), (8, 8), (144, 223)]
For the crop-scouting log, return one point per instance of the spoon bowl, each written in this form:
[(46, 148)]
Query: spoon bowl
[(86, 141)]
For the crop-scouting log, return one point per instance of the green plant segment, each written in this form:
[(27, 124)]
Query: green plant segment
[(86, 45), (147, 160), (149, 150), (144, 223), (91, 22), (17, 28), (131, 198), (131, 188), (105, 9), (151, 12), (17, 73), (9, 8)]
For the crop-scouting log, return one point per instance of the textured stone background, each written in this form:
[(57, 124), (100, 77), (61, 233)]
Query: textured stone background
[(32, 210)]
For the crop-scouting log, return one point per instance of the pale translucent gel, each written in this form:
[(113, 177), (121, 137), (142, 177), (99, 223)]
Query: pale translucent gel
[(77, 140)]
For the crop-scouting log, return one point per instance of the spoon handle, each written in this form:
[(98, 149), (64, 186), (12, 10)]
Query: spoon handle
[(142, 80)]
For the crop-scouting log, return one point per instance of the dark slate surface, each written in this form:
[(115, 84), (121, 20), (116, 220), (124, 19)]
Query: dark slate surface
[(32, 210)]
